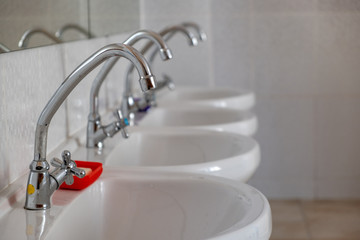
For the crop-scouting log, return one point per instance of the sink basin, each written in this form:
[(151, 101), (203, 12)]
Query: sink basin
[(185, 150), (213, 97), (220, 119), (147, 205)]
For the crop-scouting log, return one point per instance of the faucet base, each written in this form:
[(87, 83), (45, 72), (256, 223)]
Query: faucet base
[(38, 190)]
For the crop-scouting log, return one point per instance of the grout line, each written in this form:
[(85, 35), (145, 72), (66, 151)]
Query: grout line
[(210, 42), (305, 219), (315, 102), (66, 101), (142, 15), (252, 47), (88, 18)]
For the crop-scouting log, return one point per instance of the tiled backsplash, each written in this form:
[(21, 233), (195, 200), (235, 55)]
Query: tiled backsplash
[(28, 79)]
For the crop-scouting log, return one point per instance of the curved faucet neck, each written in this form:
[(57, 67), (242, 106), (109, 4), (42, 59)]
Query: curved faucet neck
[(167, 33), (95, 88), (155, 38), (73, 79)]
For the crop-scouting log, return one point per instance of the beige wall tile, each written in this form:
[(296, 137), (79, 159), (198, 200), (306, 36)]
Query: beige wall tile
[(333, 219), (288, 221)]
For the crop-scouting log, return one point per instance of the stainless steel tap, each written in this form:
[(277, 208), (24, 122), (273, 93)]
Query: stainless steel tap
[(94, 121), (24, 41), (166, 81), (41, 183)]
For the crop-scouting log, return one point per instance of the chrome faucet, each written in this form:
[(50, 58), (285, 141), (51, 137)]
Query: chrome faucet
[(59, 33), (167, 33), (24, 41), (42, 184), (94, 122)]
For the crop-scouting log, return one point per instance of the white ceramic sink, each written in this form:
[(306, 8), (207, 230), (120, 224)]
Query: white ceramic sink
[(219, 119), (147, 205), (185, 150), (205, 96)]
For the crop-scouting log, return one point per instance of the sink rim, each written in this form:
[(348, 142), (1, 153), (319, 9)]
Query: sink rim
[(263, 212), (232, 93), (246, 96), (67, 198), (244, 122), (248, 161)]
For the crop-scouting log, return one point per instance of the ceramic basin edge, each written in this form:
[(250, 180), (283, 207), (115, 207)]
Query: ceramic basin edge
[(239, 165), (205, 96), (254, 225), (230, 120)]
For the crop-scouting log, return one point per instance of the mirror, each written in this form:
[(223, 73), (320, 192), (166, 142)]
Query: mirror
[(98, 17)]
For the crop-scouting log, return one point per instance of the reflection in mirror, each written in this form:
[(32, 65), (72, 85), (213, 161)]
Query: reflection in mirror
[(97, 17), (38, 223), (25, 38), (60, 32), (3, 48), (18, 16)]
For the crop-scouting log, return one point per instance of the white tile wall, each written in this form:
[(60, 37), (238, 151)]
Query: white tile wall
[(158, 14), (286, 138), (337, 138), (338, 53), (113, 16), (338, 5), (28, 80), (231, 42), (283, 6), (283, 54)]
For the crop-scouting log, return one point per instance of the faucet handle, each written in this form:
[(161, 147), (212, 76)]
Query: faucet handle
[(169, 82), (66, 156), (71, 165), (68, 165), (55, 162), (123, 122)]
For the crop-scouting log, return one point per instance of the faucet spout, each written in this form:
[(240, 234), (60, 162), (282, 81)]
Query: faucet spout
[(41, 184), (155, 38), (169, 32), (166, 33)]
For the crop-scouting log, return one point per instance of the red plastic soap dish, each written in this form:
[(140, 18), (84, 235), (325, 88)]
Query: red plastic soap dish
[(93, 172)]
